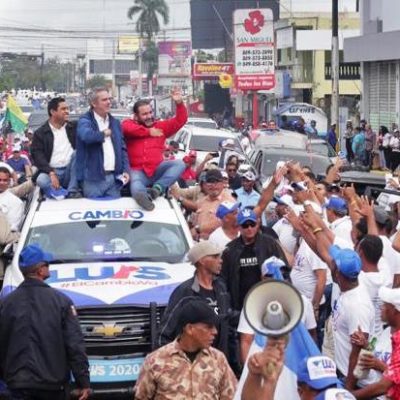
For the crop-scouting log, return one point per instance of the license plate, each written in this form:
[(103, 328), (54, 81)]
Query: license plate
[(115, 370)]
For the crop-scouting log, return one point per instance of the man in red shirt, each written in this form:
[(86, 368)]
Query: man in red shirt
[(150, 175)]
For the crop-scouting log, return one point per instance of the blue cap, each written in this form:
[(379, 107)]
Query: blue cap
[(335, 394), (347, 261), (272, 266), (33, 254), (58, 194), (318, 372), (337, 204), (226, 208), (246, 215)]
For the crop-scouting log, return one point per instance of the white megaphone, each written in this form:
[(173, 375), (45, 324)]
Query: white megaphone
[(273, 308)]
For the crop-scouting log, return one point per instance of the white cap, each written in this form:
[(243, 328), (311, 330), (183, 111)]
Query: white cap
[(16, 147), (202, 249), (249, 176), (391, 296)]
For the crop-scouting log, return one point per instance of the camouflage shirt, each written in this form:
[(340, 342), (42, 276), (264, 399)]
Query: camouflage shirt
[(168, 374)]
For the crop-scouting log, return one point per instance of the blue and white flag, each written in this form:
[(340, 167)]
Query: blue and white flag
[(300, 346)]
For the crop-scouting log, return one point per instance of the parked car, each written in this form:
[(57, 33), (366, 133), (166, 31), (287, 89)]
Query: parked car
[(203, 140), (202, 122)]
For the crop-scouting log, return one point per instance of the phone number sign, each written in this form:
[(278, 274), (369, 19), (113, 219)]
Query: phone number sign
[(254, 49)]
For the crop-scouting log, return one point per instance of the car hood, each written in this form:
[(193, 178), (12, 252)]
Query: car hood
[(112, 283)]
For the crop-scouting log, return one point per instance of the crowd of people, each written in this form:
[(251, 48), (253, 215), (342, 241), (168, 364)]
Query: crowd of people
[(337, 248), (379, 150)]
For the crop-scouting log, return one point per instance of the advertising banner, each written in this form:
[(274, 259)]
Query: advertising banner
[(174, 58), (211, 70), (254, 49)]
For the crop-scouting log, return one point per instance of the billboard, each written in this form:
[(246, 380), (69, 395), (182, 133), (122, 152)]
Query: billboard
[(211, 20), (254, 49), (128, 44), (174, 58), (211, 70)]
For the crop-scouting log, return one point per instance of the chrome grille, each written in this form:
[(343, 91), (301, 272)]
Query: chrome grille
[(118, 330)]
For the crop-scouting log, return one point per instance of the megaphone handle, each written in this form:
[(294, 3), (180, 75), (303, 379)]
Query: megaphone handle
[(270, 367)]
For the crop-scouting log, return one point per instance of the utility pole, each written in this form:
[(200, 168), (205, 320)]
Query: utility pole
[(335, 68), (42, 82), (113, 90), (140, 82)]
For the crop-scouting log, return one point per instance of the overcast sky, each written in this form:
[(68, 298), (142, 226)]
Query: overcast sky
[(74, 15)]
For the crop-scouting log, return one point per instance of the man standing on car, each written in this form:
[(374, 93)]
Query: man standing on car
[(41, 340), (53, 151), (101, 159), (151, 176)]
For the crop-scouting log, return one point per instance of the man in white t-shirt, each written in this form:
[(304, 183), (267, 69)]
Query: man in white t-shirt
[(340, 222), (352, 311), (53, 152), (227, 212), (283, 227), (370, 251), (391, 256), (10, 205)]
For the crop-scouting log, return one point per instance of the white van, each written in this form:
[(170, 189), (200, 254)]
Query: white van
[(119, 265)]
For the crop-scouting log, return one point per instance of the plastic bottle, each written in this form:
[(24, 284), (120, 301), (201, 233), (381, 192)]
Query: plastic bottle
[(360, 372)]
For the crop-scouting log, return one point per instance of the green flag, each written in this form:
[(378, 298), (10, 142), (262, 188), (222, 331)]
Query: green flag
[(15, 116)]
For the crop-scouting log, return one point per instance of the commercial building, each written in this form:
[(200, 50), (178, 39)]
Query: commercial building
[(377, 49)]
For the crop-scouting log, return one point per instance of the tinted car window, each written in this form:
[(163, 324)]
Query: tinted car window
[(205, 143), (317, 163)]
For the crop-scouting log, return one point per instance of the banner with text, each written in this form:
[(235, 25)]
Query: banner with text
[(254, 49)]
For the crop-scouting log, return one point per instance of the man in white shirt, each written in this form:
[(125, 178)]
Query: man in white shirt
[(353, 311), (391, 256), (340, 222), (53, 152), (10, 205), (370, 251), (101, 157), (229, 230)]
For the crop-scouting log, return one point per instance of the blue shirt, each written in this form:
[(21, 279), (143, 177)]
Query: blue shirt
[(247, 199), (18, 165)]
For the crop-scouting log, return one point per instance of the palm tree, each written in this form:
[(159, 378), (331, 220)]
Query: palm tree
[(148, 21)]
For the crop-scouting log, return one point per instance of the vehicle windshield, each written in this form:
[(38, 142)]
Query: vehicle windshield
[(323, 148), (111, 240), (203, 124), (206, 143), (317, 164)]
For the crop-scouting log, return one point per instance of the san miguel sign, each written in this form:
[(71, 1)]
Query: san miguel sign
[(211, 70), (254, 49)]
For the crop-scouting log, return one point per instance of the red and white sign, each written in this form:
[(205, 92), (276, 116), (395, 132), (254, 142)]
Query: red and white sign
[(211, 70), (254, 49)]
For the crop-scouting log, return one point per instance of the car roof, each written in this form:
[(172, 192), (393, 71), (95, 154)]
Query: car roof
[(282, 139), (201, 119), (68, 210), (198, 131)]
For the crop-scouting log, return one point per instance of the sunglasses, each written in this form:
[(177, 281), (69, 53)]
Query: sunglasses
[(232, 170), (247, 224)]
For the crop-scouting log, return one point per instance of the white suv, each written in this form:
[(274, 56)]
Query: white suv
[(119, 265)]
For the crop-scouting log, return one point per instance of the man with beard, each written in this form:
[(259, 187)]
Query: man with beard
[(150, 175)]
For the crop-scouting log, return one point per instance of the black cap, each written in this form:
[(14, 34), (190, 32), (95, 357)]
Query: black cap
[(214, 175), (197, 311)]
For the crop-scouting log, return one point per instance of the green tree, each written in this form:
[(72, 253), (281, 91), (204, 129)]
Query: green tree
[(96, 81), (149, 11), (150, 57)]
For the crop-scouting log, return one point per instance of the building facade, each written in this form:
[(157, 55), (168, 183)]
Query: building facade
[(377, 49)]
